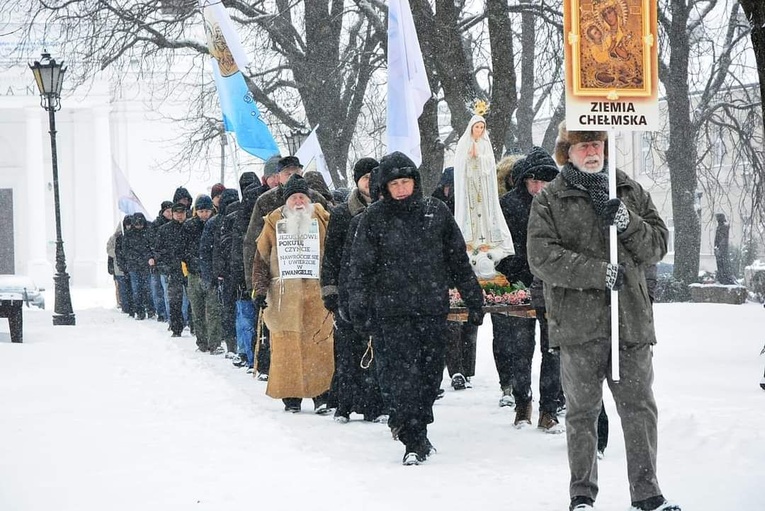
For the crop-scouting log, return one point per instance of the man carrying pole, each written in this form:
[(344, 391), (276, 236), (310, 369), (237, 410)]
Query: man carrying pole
[(568, 249)]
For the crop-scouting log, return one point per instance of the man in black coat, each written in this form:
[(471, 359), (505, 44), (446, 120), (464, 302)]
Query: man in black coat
[(136, 244), (204, 304), (213, 271), (513, 336), (407, 253), (169, 248), (353, 387)]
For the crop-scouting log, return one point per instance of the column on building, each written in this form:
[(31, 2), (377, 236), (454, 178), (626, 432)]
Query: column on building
[(38, 266)]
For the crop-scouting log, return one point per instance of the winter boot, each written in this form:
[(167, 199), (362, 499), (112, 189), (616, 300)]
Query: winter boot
[(458, 381), (507, 396), (656, 503), (581, 503), (549, 423), (522, 415), (412, 458)]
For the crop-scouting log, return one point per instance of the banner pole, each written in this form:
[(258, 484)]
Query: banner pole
[(613, 258)]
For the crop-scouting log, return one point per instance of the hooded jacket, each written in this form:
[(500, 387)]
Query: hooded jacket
[(211, 236), (407, 254)]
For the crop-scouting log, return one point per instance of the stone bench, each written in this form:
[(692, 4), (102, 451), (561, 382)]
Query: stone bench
[(718, 293)]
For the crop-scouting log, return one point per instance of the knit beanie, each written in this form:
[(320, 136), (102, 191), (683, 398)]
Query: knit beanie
[(538, 164), (216, 190), (295, 184), (203, 202), (363, 167)]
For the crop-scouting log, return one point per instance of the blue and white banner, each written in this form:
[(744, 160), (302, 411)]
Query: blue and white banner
[(126, 199), (240, 113)]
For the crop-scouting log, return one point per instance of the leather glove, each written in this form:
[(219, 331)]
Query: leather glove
[(259, 301), (330, 303), (615, 275), (475, 317), (614, 212)]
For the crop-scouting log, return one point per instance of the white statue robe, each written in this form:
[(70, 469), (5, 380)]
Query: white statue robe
[(476, 203)]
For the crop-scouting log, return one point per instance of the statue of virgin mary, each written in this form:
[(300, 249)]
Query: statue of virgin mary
[(476, 201)]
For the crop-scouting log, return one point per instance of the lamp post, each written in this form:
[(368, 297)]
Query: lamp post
[(49, 76), (295, 139)]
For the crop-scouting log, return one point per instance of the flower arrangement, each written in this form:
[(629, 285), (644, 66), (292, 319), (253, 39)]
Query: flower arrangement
[(496, 294)]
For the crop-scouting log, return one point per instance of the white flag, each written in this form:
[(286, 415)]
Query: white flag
[(127, 201), (309, 151), (408, 87)]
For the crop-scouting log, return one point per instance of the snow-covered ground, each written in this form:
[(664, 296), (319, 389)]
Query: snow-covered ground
[(113, 414)]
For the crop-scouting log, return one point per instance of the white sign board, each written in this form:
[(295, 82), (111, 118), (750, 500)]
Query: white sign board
[(299, 254)]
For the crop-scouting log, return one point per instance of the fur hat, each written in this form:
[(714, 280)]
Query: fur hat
[(216, 190), (295, 184), (536, 165), (568, 138), (203, 202), (363, 167), (505, 172), (288, 161), (271, 166)]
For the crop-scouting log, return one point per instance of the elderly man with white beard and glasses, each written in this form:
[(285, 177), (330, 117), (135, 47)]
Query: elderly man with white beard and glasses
[(285, 279)]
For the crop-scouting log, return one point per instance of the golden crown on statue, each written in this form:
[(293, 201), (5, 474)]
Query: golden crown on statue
[(481, 107)]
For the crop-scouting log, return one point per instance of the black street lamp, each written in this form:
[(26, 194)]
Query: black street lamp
[(295, 139), (49, 76)]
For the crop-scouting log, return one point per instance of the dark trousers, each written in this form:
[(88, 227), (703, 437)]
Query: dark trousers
[(228, 315), (514, 340), (409, 355), (262, 348), (550, 389), (126, 293), (461, 341), (175, 285), (354, 388)]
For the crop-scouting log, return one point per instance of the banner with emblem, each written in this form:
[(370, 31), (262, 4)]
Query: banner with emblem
[(611, 62), (299, 254)]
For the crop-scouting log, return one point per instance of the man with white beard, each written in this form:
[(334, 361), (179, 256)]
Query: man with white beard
[(285, 281)]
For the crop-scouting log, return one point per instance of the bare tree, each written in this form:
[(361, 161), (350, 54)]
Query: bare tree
[(313, 59), (684, 41)]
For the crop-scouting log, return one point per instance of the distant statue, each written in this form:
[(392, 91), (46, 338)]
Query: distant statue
[(476, 200), (724, 274)]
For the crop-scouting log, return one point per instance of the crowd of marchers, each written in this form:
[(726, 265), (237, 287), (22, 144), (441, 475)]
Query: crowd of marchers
[(343, 298)]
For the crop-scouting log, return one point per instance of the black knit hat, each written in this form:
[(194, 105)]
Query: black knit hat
[(166, 204), (295, 184), (203, 202), (363, 167), (538, 164)]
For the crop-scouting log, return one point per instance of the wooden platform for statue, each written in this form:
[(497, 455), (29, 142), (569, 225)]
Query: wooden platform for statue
[(460, 314)]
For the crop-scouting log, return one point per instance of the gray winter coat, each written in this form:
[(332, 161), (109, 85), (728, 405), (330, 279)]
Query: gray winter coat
[(568, 250)]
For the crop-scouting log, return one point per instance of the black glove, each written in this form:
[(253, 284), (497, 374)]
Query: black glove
[(259, 301), (475, 317), (330, 303), (608, 213), (615, 276)]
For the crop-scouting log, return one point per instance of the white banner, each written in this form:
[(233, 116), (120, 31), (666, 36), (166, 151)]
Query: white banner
[(299, 254)]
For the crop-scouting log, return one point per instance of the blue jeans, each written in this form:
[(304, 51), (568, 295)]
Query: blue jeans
[(139, 281), (185, 307), (157, 295), (245, 329), (126, 295)]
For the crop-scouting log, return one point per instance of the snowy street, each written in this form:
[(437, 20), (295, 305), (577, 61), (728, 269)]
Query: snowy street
[(113, 414)]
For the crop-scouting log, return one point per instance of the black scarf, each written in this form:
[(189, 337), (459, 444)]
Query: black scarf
[(595, 184)]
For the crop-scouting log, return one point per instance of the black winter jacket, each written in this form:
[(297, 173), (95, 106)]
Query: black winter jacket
[(192, 234), (169, 248), (334, 244), (405, 257)]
